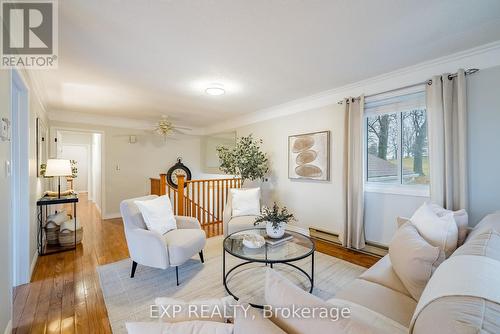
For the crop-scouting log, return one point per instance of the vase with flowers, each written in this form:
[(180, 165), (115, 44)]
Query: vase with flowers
[(276, 220)]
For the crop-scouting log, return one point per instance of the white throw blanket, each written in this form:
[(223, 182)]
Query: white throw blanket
[(463, 275)]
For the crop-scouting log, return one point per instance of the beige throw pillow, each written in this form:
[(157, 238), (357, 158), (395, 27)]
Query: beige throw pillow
[(440, 232), (413, 259), (461, 219)]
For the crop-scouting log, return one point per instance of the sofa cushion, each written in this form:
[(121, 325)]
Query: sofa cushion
[(484, 244), (237, 224), (439, 231), (281, 293), (205, 310), (248, 320), (459, 315), (386, 301), (205, 327), (382, 273), (183, 244), (491, 221), (413, 259)]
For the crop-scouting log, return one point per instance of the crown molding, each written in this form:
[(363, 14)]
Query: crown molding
[(106, 121), (482, 57)]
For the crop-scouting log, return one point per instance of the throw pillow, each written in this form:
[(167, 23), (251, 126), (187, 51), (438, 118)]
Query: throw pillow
[(440, 232), (158, 214), (413, 259), (205, 310), (206, 327), (245, 202), (461, 219), (248, 320)]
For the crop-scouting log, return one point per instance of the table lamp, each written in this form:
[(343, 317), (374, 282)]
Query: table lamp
[(58, 167)]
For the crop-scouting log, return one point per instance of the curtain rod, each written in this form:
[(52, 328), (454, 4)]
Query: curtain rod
[(428, 82)]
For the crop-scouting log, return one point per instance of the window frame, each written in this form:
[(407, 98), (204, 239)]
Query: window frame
[(418, 190)]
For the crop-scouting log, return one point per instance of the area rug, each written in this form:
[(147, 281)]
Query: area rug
[(129, 299)]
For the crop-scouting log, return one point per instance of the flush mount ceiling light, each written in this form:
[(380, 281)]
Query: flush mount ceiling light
[(215, 89)]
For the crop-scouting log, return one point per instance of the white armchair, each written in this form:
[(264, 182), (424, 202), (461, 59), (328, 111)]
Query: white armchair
[(235, 224), (152, 249)]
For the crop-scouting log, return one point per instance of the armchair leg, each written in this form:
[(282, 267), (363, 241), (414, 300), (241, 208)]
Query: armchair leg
[(177, 274), (134, 267), (201, 256)]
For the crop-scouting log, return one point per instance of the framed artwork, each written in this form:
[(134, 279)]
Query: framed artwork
[(309, 156), (41, 145)]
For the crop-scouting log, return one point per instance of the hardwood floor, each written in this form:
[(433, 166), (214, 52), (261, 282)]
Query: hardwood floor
[(64, 295)]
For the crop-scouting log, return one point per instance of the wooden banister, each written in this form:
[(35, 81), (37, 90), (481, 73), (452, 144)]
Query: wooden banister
[(203, 199), (180, 193)]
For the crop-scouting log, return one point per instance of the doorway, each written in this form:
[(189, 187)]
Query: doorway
[(20, 189), (84, 149)]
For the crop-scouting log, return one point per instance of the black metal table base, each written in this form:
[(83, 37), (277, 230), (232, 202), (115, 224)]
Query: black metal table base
[(225, 275)]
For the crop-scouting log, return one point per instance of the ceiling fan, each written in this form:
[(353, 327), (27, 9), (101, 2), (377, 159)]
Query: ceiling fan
[(165, 128)]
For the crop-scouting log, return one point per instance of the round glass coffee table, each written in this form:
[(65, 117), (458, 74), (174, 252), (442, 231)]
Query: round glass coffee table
[(297, 248)]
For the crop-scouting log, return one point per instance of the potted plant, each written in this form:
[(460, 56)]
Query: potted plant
[(245, 160), (275, 220)]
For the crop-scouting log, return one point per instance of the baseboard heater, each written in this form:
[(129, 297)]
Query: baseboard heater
[(371, 247)]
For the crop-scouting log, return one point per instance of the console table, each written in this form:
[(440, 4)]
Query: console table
[(43, 212)]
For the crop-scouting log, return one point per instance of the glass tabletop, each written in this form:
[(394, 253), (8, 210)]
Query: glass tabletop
[(298, 247)]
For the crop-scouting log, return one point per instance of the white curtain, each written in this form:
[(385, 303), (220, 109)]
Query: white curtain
[(447, 121), (353, 235)]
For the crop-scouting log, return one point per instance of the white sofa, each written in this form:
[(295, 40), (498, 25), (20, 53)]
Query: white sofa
[(379, 300)]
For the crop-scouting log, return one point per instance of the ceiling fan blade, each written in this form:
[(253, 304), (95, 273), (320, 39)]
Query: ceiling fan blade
[(175, 130), (182, 128)]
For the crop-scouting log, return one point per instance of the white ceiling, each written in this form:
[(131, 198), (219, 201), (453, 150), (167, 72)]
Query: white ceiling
[(142, 59)]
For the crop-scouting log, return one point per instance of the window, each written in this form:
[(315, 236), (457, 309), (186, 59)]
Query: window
[(396, 140)]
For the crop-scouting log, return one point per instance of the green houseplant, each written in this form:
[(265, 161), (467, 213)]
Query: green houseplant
[(245, 160), (275, 220)]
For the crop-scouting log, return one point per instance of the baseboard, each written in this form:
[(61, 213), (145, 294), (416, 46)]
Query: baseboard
[(8, 329), (297, 229), (111, 216), (33, 264)]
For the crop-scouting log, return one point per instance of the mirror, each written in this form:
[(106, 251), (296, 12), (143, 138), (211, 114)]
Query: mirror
[(41, 145), (209, 158)]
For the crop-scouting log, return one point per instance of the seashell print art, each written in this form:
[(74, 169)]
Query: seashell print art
[(302, 143), (306, 157), (308, 170), (309, 155)]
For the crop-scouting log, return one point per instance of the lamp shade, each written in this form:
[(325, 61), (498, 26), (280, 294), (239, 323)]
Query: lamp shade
[(58, 167)]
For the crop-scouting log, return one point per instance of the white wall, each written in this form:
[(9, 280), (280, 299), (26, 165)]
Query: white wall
[(483, 89), (80, 153), (77, 146), (128, 167), (315, 203), (5, 211)]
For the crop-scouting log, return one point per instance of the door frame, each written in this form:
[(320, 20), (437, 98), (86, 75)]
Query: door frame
[(20, 185), (54, 151)]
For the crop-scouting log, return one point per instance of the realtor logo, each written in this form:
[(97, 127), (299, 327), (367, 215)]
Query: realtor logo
[(29, 34)]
